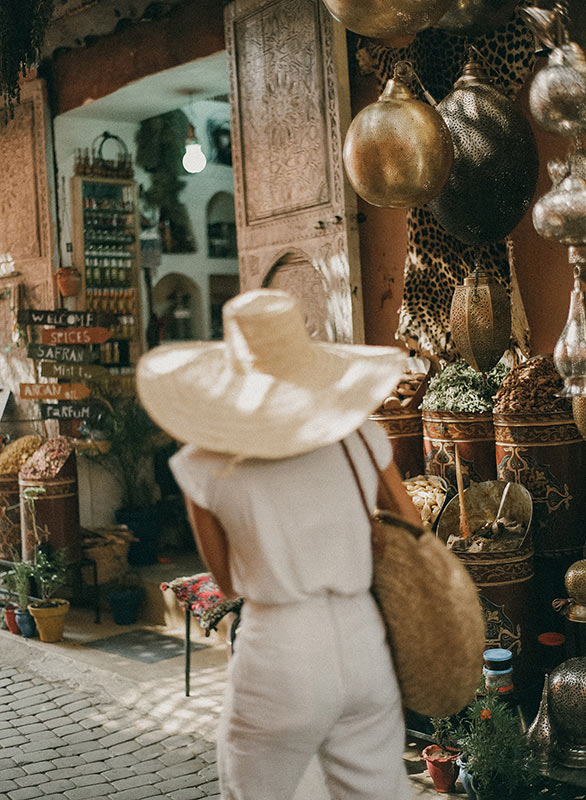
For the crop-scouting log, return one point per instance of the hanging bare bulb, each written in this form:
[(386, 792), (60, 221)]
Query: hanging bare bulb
[(194, 159), (569, 354)]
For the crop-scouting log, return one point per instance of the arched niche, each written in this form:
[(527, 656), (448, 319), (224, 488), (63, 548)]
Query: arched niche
[(294, 273), (221, 226), (177, 302)]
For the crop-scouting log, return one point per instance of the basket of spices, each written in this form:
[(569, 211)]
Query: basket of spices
[(539, 446), (12, 458), (49, 500), (400, 416), (457, 410)]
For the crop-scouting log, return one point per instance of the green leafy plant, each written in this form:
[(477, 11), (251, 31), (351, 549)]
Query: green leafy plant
[(459, 388), (444, 733), (495, 750), (49, 573), (18, 579)]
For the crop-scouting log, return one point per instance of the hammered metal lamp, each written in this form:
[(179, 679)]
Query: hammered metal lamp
[(398, 151), (569, 354), (480, 321), (383, 19), (567, 707), (474, 17)]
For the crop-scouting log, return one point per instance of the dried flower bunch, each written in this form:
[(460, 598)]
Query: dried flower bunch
[(49, 459), (22, 29), (17, 453), (461, 389), (532, 388)]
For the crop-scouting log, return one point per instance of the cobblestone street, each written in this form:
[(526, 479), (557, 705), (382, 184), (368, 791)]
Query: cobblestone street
[(57, 742)]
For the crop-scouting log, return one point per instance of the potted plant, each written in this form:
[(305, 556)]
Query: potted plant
[(132, 440), (10, 607), (19, 576), (497, 763), (441, 756), (49, 573)]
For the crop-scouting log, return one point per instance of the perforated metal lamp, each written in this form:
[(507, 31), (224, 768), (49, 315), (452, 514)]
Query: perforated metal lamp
[(194, 159)]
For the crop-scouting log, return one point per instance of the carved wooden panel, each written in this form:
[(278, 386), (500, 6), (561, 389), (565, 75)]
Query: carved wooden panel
[(290, 110), (294, 273)]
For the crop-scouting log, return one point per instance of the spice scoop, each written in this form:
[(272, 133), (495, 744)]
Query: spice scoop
[(495, 526)]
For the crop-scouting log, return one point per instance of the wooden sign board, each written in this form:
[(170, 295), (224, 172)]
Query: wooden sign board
[(64, 318), (65, 411), (61, 352), (53, 391), (80, 372), (75, 335)]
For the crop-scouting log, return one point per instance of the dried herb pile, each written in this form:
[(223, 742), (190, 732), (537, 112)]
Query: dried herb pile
[(16, 453), (49, 459), (532, 388), (461, 389), (22, 30)]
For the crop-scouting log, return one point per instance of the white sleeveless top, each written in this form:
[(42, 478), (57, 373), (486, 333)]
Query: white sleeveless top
[(296, 527)]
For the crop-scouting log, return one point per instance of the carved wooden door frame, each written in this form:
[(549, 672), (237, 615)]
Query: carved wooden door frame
[(290, 106)]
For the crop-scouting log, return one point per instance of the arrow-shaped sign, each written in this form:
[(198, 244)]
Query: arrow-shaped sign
[(75, 335), (53, 391), (80, 372), (60, 352), (65, 318)]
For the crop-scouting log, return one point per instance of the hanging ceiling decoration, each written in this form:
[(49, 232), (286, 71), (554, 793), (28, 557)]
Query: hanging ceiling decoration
[(398, 151), (495, 162), (22, 28)]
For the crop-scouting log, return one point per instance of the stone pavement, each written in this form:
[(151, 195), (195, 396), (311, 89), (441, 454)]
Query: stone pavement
[(59, 743)]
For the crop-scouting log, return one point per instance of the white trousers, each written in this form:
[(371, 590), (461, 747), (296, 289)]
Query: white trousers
[(312, 678)]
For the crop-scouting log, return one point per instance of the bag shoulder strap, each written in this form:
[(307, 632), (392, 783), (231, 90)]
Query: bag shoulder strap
[(380, 514)]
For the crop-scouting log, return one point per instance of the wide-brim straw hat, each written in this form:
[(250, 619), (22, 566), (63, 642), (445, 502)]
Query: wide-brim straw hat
[(267, 390)]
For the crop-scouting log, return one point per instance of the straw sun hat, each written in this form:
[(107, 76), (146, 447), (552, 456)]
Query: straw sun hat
[(267, 390)]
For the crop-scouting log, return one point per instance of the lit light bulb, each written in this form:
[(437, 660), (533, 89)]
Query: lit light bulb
[(194, 159), (569, 354)]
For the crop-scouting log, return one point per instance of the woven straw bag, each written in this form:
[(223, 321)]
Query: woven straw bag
[(431, 610)]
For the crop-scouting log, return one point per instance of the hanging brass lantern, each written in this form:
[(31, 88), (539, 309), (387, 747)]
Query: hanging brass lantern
[(385, 19), (475, 17), (398, 151), (480, 321), (557, 96), (495, 169)]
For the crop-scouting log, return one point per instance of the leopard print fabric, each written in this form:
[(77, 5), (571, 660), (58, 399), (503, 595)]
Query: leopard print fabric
[(436, 262)]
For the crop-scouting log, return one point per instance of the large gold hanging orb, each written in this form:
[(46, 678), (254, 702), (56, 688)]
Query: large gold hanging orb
[(480, 321), (383, 19), (495, 167), (398, 151), (474, 17)]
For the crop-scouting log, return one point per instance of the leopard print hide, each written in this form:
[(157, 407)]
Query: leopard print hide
[(436, 261)]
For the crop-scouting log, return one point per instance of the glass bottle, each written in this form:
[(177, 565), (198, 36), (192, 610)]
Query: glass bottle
[(569, 354)]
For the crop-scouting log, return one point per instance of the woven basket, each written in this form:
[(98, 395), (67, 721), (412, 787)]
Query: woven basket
[(109, 549)]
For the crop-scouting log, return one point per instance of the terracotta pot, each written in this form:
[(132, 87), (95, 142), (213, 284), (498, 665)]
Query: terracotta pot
[(50, 620), (443, 769), (68, 281), (11, 623)]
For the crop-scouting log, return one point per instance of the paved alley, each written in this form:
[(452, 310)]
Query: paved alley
[(59, 743)]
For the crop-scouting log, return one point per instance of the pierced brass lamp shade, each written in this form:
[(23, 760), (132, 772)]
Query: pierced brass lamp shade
[(480, 321), (383, 19), (398, 151), (474, 17), (495, 162)]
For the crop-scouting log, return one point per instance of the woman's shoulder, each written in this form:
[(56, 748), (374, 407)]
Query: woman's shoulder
[(376, 436)]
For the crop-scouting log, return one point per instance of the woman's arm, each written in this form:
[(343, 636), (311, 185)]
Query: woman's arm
[(400, 503), (213, 545)]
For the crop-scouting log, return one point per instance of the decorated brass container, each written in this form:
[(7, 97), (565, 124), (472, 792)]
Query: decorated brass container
[(504, 578), (474, 435), (557, 96), (398, 151), (567, 708), (540, 736), (575, 580), (546, 454), (495, 169), (480, 321), (9, 516), (384, 19), (561, 213), (474, 17)]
